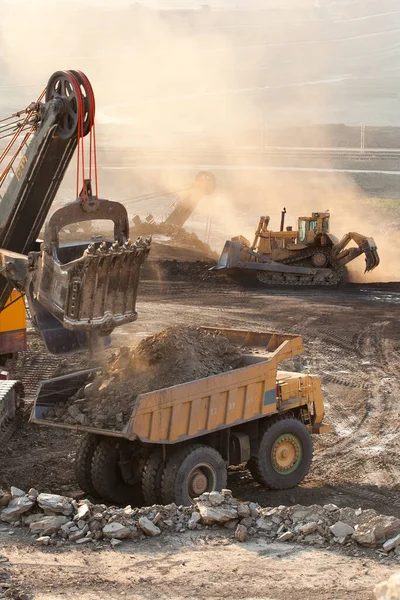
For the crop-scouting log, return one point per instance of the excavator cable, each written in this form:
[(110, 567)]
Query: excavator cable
[(25, 125)]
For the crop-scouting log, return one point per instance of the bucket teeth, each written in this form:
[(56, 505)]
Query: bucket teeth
[(103, 247), (115, 247), (91, 249)]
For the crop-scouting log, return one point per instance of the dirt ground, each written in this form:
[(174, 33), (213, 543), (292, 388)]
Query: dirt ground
[(352, 340), (191, 567)]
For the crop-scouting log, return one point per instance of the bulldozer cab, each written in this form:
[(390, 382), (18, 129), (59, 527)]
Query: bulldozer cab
[(310, 227)]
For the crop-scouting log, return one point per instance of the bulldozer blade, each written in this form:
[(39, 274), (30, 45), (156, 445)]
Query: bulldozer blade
[(233, 252), (230, 256)]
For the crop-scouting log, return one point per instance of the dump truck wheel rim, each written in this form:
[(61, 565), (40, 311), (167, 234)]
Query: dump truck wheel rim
[(201, 479), (286, 454)]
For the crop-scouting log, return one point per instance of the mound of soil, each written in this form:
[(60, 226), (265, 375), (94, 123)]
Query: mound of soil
[(176, 355)]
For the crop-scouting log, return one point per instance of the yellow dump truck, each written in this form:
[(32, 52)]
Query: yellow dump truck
[(180, 440)]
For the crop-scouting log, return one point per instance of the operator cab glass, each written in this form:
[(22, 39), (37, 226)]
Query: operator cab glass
[(325, 225), (302, 231), (313, 225)]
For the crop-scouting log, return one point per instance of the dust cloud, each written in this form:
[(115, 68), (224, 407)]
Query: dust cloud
[(175, 82)]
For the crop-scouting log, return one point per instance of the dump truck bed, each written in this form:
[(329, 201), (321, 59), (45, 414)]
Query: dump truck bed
[(188, 410)]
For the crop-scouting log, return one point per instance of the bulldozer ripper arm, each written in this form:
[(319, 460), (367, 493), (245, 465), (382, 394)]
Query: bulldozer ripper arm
[(365, 246)]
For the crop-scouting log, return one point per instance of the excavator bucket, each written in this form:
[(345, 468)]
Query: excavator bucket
[(92, 293)]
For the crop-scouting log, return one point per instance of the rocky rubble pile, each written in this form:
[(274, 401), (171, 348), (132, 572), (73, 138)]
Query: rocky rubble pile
[(58, 520), (176, 355)]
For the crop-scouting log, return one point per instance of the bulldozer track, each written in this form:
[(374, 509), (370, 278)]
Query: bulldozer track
[(303, 280)]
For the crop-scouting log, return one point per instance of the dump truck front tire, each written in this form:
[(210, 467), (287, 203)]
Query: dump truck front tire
[(192, 471), (107, 478), (83, 463), (152, 477), (284, 455)]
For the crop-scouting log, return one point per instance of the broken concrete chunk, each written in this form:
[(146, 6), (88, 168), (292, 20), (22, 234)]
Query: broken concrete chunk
[(85, 540), (16, 507), (148, 527), (376, 530), (76, 414), (194, 520), (309, 528), (32, 518), (83, 513), (114, 542), (243, 510), (55, 503), (263, 525), (330, 507), (284, 537), (74, 536), (16, 492), (247, 522), (216, 514), (43, 541), (116, 530), (33, 494), (341, 530), (5, 498), (254, 510), (241, 533), (391, 543), (215, 498), (48, 525), (231, 524)]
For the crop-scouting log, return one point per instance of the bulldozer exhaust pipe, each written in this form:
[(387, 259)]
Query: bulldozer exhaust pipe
[(283, 213)]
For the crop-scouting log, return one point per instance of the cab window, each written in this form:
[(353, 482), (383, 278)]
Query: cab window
[(302, 231), (313, 225), (325, 225)]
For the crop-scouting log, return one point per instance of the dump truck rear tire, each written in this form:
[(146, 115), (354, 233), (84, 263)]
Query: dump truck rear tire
[(107, 478), (83, 463), (152, 477), (192, 471), (284, 455)]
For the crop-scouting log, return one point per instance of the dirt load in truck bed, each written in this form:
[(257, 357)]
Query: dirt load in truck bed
[(176, 355)]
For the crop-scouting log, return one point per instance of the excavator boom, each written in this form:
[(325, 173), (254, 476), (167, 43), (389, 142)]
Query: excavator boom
[(74, 294)]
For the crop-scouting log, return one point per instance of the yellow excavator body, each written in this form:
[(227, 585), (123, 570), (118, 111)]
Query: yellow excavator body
[(13, 325)]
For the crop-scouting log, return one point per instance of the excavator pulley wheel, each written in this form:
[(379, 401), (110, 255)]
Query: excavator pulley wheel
[(76, 93)]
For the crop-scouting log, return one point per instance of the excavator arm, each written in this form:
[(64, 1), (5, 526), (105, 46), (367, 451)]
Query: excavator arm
[(365, 245), (203, 184), (73, 293)]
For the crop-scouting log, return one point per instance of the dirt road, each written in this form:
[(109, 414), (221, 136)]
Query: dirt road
[(193, 566), (352, 340)]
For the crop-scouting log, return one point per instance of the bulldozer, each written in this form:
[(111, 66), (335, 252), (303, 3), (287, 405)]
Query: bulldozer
[(310, 255)]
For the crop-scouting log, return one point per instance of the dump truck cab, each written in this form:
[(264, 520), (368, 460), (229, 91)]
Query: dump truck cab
[(311, 227)]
